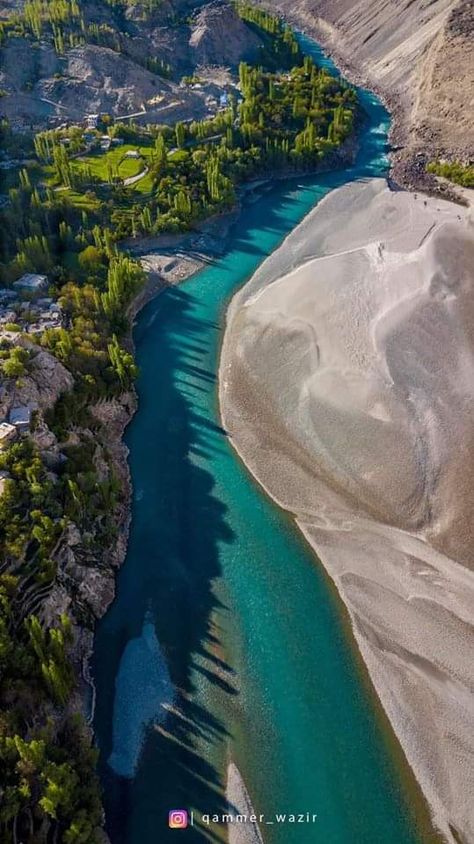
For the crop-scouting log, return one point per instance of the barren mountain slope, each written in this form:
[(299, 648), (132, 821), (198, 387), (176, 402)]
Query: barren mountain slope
[(41, 86), (418, 54), (218, 36)]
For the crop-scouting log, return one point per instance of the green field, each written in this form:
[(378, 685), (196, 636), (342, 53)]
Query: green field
[(101, 165), (80, 200), (100, 162)]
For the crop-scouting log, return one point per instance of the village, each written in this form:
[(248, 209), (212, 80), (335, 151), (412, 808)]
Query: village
[(25, 312), (26, 307), (16, 421)]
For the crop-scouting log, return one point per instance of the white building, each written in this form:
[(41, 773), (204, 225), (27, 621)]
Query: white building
[(7, 316), (31, 282), (7, 434), (20, 417), (7, 295)]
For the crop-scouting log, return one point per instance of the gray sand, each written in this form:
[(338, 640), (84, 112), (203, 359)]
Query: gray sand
[(347, 385), (240, 805)]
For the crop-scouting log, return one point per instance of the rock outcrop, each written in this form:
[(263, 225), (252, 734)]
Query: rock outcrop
[(40, 387), (219, 37)]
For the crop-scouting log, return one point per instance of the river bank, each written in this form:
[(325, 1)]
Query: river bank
[(181, 543), (169, 260), (201, 538), (369, 477), (412, 63)]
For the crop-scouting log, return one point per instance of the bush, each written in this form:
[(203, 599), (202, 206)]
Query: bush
[(15, 366), (460, 174)]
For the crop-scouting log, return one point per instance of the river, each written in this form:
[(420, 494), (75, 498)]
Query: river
[(226, 640)]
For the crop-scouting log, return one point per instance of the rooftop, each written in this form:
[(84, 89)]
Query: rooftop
[(7, 431), (6, 295), (20, 415), (32, 281)]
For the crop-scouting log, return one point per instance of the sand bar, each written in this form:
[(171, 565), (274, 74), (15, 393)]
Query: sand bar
[(240, 829), (347, 386)]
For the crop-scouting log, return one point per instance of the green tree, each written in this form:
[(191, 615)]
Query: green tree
[(180, 132), (90, 260)]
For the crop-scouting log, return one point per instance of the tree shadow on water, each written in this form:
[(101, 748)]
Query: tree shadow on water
[(178, 526)]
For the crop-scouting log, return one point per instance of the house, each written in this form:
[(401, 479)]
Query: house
[(7, 295), (7, 434), (31, 282), (92, 121), (7, 316), (20, 417), (132, 153), (105, 142), (118, 142), (50, 323)]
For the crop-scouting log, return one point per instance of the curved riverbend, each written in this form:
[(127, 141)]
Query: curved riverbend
[(225, 641)]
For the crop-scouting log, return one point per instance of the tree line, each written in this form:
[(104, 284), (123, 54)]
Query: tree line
[(289, 117)]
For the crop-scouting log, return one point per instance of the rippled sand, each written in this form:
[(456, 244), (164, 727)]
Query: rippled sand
[(347, 385)]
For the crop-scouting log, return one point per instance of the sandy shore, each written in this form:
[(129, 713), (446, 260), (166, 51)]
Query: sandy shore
[(240, 804), (347, 386)]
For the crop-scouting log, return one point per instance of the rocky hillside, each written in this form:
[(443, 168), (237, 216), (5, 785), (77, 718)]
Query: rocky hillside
[(419, 54), (131, 61), (219, 37)]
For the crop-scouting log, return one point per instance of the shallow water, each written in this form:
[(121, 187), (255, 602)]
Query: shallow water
[(225, 640)]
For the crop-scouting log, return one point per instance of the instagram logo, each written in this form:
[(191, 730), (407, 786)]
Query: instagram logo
[(178, 819)]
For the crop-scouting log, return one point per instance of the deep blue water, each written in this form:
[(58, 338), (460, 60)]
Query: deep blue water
[(225, 640)]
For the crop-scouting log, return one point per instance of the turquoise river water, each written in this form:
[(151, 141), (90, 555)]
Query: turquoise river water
[(226, 641)]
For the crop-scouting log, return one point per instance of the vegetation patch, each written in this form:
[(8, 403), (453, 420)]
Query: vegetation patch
[(455, 171)]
